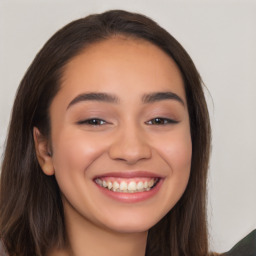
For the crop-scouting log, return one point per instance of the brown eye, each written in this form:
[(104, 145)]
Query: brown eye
[(93, 122), (161, 121)]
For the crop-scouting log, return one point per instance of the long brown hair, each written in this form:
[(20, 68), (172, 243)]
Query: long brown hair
[(31, 211)]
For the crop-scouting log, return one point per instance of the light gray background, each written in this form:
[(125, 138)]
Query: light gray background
[(220, 36)]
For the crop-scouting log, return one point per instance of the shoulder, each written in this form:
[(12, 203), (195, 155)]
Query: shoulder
[(246, 247)]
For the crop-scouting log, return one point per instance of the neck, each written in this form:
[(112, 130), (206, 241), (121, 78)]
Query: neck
[(102, 242), (86, 238)]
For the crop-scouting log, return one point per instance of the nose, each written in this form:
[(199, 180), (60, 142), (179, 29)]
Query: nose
[(130, 145)]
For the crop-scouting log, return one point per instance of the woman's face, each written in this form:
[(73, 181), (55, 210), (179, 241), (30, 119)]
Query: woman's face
[(120, 136)]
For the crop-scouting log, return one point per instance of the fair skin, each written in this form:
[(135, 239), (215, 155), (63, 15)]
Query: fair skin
[(122, 137)]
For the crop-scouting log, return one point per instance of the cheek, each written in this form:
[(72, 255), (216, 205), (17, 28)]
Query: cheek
[(178, 157), (73, 151), (177, 152)]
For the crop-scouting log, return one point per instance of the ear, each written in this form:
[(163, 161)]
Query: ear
[(43, 153)]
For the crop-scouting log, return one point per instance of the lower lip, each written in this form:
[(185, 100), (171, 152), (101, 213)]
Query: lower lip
[(131, 197)]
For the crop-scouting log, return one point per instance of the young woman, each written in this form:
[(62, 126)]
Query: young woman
[(108, 146)]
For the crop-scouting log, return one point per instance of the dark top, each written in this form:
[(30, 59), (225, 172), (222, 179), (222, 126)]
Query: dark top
[(246, 247)]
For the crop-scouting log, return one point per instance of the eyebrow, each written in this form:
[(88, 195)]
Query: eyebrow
[(110, 98), (159, 96), (93, 96)]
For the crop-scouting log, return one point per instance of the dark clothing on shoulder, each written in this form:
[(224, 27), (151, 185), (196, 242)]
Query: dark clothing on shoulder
[(246, 247)]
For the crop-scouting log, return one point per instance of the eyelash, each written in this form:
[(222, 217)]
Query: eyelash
[(157, 120)]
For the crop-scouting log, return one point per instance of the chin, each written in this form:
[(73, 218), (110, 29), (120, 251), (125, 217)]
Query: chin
[(132, 222)]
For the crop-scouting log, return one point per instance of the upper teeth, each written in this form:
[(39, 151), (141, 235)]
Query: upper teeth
[(127, 186)]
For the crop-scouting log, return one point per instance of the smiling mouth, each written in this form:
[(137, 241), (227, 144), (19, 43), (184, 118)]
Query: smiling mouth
[(124, 185)]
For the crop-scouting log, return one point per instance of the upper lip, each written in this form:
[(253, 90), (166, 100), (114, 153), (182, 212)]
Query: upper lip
[(130, 174)]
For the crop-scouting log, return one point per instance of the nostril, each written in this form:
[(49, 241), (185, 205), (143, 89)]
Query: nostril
[(130, 145), (129, 154)]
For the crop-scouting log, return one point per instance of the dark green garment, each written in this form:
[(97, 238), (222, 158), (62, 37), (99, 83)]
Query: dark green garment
[(246, 247)]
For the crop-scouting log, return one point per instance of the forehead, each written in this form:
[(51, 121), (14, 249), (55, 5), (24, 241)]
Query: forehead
[(122, 62)]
